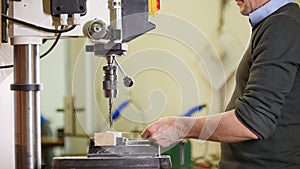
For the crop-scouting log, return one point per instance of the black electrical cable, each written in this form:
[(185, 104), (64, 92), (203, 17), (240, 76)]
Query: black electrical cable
[(6, 66), (38, 27), (53, 45), (43, 55)]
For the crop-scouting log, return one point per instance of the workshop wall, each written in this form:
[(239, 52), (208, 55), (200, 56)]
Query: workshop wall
[(54, 79), (6, 109)]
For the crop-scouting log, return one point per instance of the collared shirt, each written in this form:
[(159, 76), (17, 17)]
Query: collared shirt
[(266, 10)]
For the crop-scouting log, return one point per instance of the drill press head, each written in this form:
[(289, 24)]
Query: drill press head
[(129, 19)]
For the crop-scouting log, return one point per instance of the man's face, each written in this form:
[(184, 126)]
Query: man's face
[(247, 6)]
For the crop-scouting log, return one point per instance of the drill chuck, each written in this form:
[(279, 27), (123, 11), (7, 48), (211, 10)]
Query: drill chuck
[(110, 81)]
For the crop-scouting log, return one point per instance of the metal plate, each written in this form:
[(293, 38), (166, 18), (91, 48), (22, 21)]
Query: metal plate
[(162, 162)]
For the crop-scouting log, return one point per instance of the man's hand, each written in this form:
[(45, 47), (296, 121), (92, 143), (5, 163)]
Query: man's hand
[(222, 127), (169, 130)]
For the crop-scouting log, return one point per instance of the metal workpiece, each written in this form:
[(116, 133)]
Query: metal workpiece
[(27, 107)]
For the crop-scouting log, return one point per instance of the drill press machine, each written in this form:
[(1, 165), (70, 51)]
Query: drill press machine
[(111, 150), (109, 24)]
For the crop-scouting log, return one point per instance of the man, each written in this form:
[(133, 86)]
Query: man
[(261, 126)]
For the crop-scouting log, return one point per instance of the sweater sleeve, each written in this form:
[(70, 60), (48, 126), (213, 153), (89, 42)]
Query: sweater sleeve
[(275, 58)]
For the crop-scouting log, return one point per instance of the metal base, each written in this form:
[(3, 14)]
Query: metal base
[(162, 162)]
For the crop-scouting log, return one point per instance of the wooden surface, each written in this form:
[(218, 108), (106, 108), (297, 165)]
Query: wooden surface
[(52, 142), (105, 139)]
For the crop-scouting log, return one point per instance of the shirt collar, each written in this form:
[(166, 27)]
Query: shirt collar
[(266, 10)]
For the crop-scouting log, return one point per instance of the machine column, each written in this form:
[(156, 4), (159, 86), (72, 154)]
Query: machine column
[(27, 107)]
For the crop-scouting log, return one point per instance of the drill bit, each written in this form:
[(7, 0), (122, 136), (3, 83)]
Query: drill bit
[(110, 113)]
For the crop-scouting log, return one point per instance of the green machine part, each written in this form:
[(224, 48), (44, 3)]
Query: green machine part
[(174, 152)]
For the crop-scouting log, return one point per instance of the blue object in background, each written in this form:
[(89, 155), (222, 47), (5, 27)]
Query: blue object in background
[(43, 120), (193, 110), (118, 110)]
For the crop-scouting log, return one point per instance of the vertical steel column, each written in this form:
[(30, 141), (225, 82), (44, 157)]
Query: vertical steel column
[(27, 107)]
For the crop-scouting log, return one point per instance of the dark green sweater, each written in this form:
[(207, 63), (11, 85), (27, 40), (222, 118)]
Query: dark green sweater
[(267, 96)]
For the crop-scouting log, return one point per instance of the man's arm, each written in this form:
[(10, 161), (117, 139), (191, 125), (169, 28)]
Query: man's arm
[(224, 127)]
